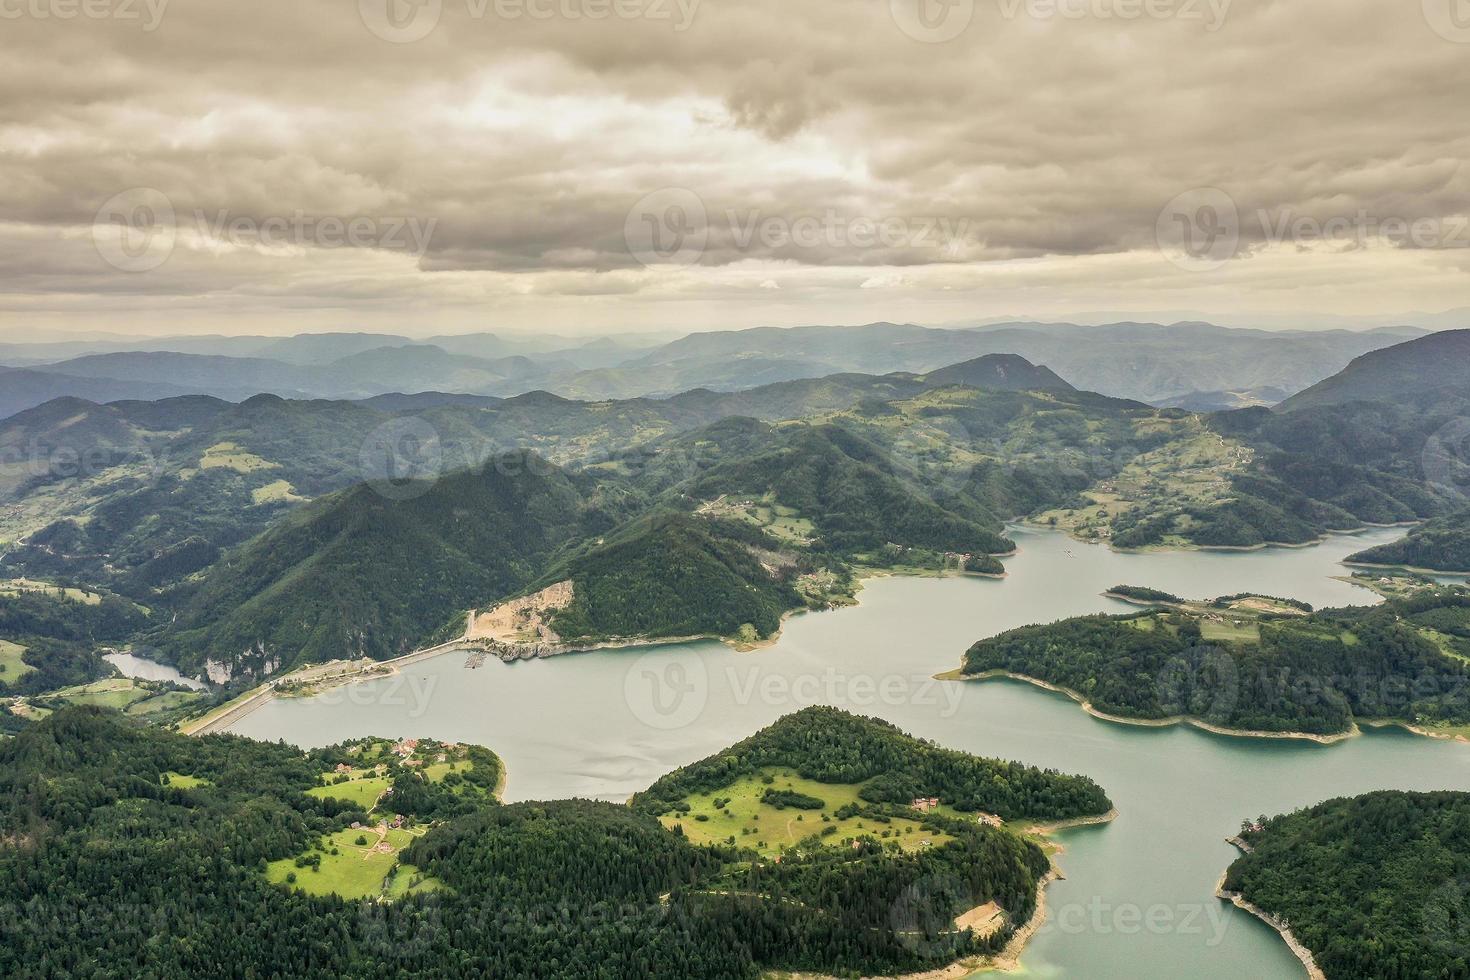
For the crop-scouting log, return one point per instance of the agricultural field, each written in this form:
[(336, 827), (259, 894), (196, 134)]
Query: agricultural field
[(227, 455), (164, 702), (12, 667), (150, 700), (785, 524), (110, 692), (354, 863), (272, 493), (362, 787), (181, 780), (770, 829), (15, 586), (1192, 470)]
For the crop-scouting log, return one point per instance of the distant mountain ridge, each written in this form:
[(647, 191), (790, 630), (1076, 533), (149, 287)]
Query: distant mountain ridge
[(1439, 360), (1154, 363)]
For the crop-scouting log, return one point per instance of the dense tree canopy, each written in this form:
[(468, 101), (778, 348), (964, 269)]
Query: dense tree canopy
[(1374, 886)]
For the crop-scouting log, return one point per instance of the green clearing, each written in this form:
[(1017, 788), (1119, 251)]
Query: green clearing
[(1230, 630), (408, 880), (765, 828), (783, 523), (1450, 646), (111, 692), (12, 667), (167, 701), (228, 456), (356, 870), (435, 773), (16, 586), (182, 780), (361, 788)]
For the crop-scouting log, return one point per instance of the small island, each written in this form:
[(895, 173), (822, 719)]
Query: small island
[(1255, 665), (1370, 886)]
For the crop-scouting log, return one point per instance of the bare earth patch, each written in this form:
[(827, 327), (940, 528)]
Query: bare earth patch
[(524, 620)]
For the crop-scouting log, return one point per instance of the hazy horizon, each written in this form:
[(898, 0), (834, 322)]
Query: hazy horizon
[(643, 335)]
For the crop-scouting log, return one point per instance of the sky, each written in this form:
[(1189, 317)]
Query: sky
[(433, 166)]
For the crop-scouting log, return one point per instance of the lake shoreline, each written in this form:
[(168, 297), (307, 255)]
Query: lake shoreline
[(1314, 972), (1152, 549), (1404, 568), (1169, 722), (225, 716), (1008, 959)]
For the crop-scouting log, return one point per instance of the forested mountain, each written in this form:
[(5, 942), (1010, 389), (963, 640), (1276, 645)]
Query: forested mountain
[(49, 638), (111, 828), (856, 495), (1374, 886), (1438, 360), (671, 574), (1009, 372), (1442, 544), (1231, 666), (373, 571), (147, 498)]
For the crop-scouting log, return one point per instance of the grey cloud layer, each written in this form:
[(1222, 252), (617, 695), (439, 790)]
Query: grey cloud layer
[(527, 140)]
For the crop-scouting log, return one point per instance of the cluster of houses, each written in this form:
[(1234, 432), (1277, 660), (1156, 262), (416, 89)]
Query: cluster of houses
[(924, 804)]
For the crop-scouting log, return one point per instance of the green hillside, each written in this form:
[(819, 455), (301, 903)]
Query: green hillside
[(1436, 360), (856, 495), (675, 575), (1374, 885), (362, 574), (1253, 665), (1442, 544)]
